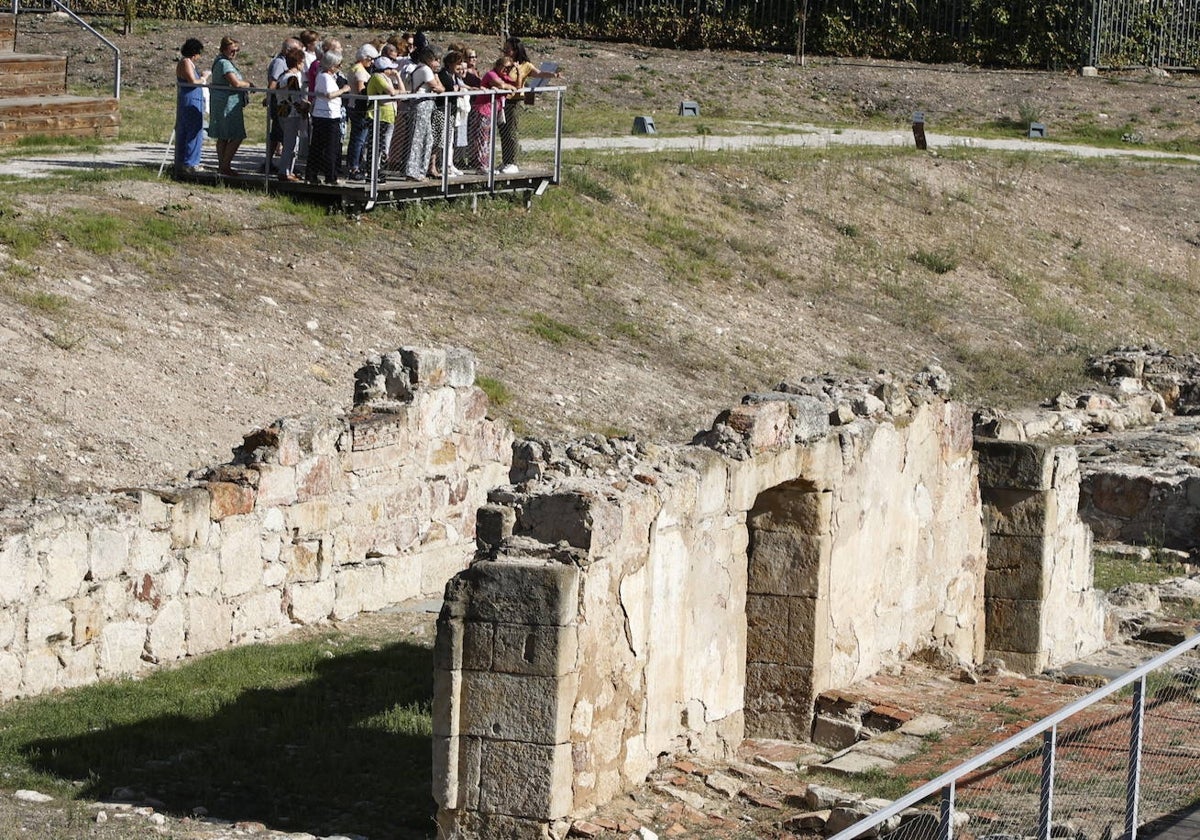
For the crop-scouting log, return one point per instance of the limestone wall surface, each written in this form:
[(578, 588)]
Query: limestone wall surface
[(317, 517), (646, 603)]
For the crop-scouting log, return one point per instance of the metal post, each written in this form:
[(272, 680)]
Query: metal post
[(1046, 797), (946, 825), (1133, 784), (558, 113)]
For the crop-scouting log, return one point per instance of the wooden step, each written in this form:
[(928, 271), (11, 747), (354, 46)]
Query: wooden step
[(26, 74), (8, 32), (59, 116)]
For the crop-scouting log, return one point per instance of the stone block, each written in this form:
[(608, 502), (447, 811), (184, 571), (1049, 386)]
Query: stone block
[(108, 553), (311, 602), (240, 556), (257, 616), (581, 519), (516, 592), (478, 644), (1013, 625), (78, 666), (202, 571), (65, 565), (1016, 568), (190, 518), (795, 507), (525, 780), (41, 672), (17, 566), (48, 624), (493, 524), (121, 648), (10, 675), (460, 367), (766, 425), (788, 563), (357, 588), (209, 625), (445, 771), (426, 366), (166, 640), (781, 630), (448, 642), (1014, 465), (780, 696), (230, 499), (536, 710), (447, 702), (152, 510), (835, 733), (1024, 513), (276, 485), (9, 619), (315, 477), (149, 551), (306, 561), (87, 619), (401, 579), (540, 651)]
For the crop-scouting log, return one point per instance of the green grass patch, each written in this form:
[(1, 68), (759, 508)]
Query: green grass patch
[(1113, 570), (556, 332), (872, 783), (328, 736), (497, 392), (937, 261)]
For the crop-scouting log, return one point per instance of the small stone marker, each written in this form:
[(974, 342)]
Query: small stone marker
[(643, 125), (918, 125), (1037, 131), (688, 108)]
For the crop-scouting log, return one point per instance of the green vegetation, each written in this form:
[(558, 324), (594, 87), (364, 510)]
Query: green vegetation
[(326, 735), (1112, 570), (872, 783), (554, 331), (497, 392)]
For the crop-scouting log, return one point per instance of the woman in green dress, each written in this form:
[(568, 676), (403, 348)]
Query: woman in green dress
[(227, 124)]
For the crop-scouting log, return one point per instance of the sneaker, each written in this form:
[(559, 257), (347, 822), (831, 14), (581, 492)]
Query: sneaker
[(455, 172), (511, 169), (483, 170), (357, 176)]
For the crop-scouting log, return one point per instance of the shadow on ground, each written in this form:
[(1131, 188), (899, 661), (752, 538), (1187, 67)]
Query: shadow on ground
[(321, 757)]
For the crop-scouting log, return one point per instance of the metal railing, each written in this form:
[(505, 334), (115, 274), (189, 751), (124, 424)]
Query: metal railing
[(1119, 763), (59, 6), (383, 171)]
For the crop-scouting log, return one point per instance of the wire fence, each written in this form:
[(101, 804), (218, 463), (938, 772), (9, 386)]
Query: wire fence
[(1123, 762)]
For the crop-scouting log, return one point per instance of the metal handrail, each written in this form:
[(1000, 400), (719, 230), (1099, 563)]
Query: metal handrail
[(65, 9), (946, 781)]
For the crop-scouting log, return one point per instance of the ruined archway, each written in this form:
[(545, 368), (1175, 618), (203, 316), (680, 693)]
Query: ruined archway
[(788, 555)]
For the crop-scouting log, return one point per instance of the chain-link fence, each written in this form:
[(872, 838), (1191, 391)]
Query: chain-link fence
[(1123, 762)]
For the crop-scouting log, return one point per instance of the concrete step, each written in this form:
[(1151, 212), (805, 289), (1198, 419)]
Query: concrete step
[(26, 74), (59, 116)]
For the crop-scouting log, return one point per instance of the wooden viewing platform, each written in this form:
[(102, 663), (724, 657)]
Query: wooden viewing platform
[(540, 166)]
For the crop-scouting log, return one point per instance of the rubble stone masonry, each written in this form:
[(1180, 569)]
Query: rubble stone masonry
[(317, 517)]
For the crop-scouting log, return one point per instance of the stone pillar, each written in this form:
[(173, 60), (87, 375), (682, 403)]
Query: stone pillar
[(505, 682), (1041, 605), (787, 606)]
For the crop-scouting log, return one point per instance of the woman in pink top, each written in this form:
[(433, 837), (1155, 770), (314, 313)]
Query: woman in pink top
[(487, 107)]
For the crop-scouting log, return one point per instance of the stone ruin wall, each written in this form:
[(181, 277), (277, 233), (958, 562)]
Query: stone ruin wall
[(628, 605), (317, 517)]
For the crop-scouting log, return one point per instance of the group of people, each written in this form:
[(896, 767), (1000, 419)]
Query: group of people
[(331, 112)]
